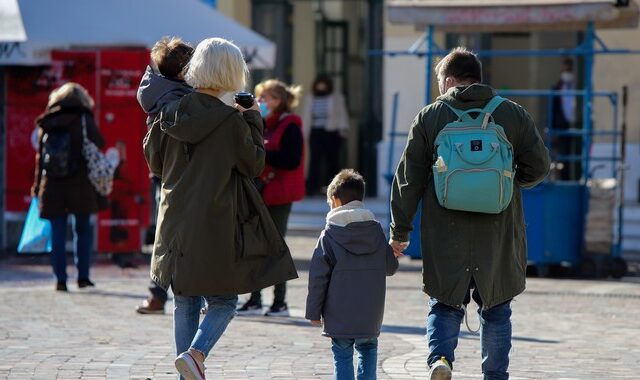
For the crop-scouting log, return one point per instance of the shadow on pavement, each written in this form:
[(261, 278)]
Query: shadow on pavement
[(390, 329)]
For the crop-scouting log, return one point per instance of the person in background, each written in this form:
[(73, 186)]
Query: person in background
[(161, 84), (61, 183), (326, 124), (347, 278), (282, 181), (563, 118)]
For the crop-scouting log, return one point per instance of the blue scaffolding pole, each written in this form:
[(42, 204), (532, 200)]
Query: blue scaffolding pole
[(591, 46)]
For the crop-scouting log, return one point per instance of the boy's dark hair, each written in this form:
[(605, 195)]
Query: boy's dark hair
[(171, 55), (460, 64), (348, 185)]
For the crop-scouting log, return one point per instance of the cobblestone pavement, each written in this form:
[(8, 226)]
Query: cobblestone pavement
[(563, 329)]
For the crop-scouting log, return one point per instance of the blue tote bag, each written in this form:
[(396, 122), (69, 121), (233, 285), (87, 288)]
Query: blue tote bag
[(36, 234)]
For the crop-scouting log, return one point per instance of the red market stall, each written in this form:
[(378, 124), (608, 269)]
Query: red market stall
[(103, 45), (111, 76)]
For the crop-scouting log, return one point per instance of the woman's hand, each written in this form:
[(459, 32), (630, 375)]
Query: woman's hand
[(255, 107)]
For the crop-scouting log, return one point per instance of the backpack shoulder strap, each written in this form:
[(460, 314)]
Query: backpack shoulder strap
[(493, 104), (462, 115), (488, 110)]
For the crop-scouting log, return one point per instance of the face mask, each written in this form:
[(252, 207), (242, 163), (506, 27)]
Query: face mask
[(264, 111)]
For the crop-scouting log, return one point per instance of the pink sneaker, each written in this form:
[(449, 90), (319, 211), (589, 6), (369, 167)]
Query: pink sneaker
[(189, 367)]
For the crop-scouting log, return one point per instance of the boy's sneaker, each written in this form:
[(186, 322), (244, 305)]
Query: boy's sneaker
[(250, 308), (189, 367), (440, 370), (279, 309)]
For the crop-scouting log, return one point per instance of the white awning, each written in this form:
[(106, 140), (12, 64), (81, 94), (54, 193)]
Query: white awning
[(11, 28), (63, 24), (513, 15)]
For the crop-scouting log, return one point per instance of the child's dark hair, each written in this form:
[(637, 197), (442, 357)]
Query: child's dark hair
[(170, 55), (348, 185)]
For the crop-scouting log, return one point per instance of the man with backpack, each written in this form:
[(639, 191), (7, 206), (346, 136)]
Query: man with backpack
[(467, 156)]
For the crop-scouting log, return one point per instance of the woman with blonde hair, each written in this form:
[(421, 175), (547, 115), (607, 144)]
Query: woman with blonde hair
[(282, 180), (204, 152), (61, 183)]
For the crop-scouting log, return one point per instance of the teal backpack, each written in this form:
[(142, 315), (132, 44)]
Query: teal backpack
[(473, 169)]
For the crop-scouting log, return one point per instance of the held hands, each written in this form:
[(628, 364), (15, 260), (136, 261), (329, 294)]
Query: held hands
[(255, 107), (316, 323), (398, 247)]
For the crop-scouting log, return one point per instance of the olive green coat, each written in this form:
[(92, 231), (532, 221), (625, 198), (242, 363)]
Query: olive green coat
[(214, 235), (456, 245)]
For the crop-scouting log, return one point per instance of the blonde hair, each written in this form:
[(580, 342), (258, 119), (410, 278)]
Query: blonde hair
[(289, 95), (217, 64), (71, 90)]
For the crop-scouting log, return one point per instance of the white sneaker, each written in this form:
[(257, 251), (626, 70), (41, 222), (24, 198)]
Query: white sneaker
[(189, 367), (440, 370)]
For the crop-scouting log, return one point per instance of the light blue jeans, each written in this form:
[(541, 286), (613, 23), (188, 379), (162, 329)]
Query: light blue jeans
[(367, 349), (443, 328), (202, 336)]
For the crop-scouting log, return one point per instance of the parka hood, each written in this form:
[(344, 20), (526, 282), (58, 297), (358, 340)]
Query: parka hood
[(153, 87), (61, 114), (465, 97), (194, 116), (354, 228)]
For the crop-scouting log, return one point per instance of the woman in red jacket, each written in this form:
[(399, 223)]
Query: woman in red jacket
[(282, 181)]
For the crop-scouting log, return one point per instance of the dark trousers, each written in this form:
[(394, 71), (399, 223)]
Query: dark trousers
[(280, 216), (156, 291), (324, 148), (82, 241)]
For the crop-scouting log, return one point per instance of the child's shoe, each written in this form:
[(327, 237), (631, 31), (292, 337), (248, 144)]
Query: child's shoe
[(440, 370), (250, 308), (279, 309)]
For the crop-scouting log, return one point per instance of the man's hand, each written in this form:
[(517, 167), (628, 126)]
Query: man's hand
[(398, 247), (316, 323)]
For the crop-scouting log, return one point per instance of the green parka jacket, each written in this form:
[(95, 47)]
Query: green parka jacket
[(205, 152), (456, 245)]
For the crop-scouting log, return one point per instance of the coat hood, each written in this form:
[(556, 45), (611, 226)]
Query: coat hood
[(354, 228), (465, 97), (194, 116), (153, 87), (61, 115)]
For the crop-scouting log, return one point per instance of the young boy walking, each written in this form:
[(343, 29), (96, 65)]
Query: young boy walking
[(159, 86), (347, 278)]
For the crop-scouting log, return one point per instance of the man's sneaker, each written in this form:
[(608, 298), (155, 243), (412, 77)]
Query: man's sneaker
[(189, 367), (440, 370), (151, 306), (278, 310), (250, 308)]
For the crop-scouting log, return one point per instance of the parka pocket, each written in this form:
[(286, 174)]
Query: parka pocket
[(251, 241)]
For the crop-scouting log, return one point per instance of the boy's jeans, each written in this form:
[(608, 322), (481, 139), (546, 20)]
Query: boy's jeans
[(443, 327), (343, 358), (82, 241), (189, 333)]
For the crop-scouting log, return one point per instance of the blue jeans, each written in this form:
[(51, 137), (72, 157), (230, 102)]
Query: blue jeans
[(82, 241), (343, 358), (443, 328), (189, 332)]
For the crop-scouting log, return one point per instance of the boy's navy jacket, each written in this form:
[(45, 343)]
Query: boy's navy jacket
[(347, 278), (156, 91)]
